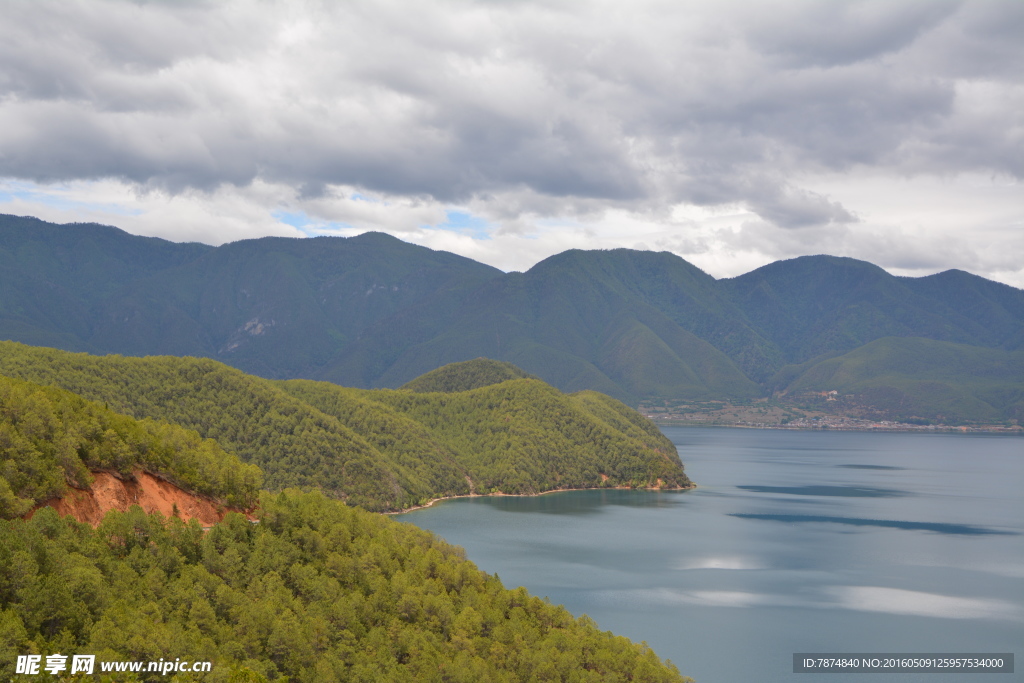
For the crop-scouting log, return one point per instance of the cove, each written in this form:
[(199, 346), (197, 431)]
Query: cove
[(792, 542)]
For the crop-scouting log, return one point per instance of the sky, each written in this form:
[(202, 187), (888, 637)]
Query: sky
[(733, 133)]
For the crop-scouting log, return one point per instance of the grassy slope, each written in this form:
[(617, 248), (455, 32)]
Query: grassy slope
[(912, 377)]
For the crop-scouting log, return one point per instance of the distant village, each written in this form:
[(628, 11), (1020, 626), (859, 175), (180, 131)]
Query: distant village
[(855, 424), (770, 414)]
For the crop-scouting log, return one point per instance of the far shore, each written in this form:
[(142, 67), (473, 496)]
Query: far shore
[(541, 493), (847, 427)]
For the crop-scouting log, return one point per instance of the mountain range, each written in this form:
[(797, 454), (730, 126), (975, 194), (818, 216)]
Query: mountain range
[(372, 311)]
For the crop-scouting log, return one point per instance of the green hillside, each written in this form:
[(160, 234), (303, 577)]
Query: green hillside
[(275, 307), (908, 378), (520, 436), (993, 311), (380, 450), (54, 276), (294, 444), (316, 591), (51, 438)]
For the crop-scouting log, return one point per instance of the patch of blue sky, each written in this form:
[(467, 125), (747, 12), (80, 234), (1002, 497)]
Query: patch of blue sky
[(309, 226), (465, 223), (55, 197), (296, 219)]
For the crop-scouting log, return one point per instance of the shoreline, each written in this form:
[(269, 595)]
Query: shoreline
[(498, 494), (900, 427)]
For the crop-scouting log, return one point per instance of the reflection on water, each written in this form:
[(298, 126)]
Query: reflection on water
[(871, 467), (896, 601), (860, 598), (842, 491), (876, 543), (890, 523), (727, 562), (580, 502)]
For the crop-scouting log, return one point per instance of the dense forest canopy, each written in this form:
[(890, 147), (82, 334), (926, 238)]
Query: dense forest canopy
[(51, 438), (519, 436), (470, 374), (317, 591)]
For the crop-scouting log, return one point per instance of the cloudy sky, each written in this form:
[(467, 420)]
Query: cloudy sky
[(732, 133)]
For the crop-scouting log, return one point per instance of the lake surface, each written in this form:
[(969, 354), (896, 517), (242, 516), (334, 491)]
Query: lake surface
[(793, 542)]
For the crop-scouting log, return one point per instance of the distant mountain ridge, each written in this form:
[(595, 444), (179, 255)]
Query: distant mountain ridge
[(372, 311)]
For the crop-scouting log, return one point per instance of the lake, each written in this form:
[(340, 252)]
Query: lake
[(792, 542)]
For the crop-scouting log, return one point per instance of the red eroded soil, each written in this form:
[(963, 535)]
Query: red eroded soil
[(150, 493)]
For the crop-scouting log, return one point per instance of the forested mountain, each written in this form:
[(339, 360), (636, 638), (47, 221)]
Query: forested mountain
[(611, 321), (381, 449), (816, 305), (372, 311), (277, 307)]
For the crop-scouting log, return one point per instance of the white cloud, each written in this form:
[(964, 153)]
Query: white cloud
[(226, 215), (729, 133)]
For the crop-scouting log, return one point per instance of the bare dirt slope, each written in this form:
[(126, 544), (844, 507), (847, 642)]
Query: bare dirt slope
[(151, 493)]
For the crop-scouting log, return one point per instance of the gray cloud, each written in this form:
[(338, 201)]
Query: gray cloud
[(797, 208), (809, 33), (514, 108)]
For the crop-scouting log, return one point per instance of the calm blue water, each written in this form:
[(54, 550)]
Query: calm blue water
[(793, 542)]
